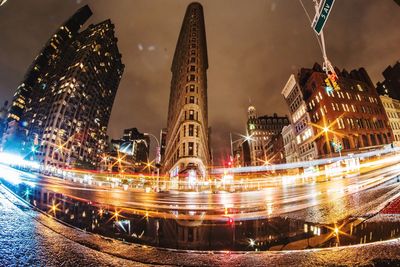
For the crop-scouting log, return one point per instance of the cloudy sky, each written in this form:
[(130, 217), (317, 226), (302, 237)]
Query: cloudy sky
[(253, 47)]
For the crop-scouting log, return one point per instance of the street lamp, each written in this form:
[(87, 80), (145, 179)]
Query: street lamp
[(158, 158)]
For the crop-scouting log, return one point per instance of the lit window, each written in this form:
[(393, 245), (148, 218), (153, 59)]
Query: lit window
[(190, 147)]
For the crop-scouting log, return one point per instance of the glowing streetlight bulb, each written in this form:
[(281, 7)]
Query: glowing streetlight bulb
[(336, 230), (116, 214), (252, 243)]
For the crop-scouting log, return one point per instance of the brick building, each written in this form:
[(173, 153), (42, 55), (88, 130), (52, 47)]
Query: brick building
[(349, 117)]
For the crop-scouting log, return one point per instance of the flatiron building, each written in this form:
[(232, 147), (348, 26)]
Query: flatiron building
[(187, 150)]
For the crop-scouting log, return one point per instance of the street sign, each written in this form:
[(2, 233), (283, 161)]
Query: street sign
[(322, 16)]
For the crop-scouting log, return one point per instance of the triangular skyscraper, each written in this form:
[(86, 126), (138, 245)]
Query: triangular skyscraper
[(187, 153)]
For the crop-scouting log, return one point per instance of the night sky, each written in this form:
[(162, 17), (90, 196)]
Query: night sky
[(253, 47)]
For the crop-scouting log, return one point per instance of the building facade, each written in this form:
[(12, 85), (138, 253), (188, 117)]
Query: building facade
[(3, 118), (137, 144), (391, 85), (68, 95), (262, 129), (187, 149), (78, 104), (38, 78), (130, 153), (289, 144), (163, 143), (345, 119), (392, 109), (275, 150), (241, 154), (301, 130)]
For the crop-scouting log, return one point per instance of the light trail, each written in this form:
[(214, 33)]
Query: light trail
[(305, 164), (277, 194)]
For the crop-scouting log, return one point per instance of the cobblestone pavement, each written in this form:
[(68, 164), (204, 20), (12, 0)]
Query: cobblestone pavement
[(30, 238)]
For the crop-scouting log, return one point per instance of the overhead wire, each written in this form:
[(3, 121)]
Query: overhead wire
[(309, 19)]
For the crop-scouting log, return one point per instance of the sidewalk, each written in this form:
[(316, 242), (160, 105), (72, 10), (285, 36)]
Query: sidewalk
[(25, 241)]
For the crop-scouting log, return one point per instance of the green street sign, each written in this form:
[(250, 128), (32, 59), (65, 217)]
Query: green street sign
[(323, 15)]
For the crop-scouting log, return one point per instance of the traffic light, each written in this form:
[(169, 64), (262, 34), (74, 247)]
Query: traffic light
[(337, 144), (333, 81)]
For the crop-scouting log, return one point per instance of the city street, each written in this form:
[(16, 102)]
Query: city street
[(31, 238), (278, 197), (206, 133), (320, 201)]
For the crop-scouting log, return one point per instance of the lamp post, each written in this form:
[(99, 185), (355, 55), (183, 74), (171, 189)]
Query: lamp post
[(158, 159)]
